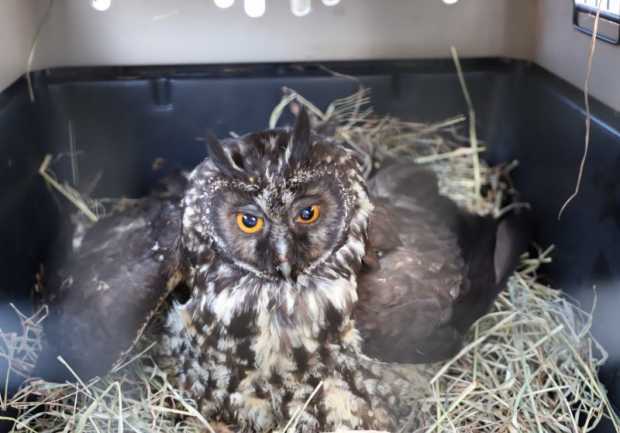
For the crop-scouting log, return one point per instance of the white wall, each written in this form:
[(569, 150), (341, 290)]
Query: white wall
[(18, 22), (142, 32), (195, 31), (564, 51)]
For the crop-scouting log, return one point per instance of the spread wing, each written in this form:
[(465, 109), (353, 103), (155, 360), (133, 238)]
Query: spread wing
[(103, 296), (431, 269)]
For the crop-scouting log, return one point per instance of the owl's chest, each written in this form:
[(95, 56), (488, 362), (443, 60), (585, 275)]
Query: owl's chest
[(228, 357), (265, 326), (253, 353), (262, 378)]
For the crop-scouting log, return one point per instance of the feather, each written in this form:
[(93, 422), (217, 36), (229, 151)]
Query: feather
[(300, 143), (439, 269), (103, 296)]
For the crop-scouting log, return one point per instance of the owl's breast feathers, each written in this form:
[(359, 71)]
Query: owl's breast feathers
[(257, 349), (241, 338)]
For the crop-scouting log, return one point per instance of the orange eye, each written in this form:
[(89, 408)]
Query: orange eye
[(308, 215), (249, 223)]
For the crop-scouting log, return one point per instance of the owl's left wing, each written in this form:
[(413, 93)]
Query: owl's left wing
[(431, 269), (407, 289)]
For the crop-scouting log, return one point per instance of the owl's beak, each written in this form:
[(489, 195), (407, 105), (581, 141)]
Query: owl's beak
[(282, 253)]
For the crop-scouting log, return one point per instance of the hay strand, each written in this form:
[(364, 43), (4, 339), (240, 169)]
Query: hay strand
[(292, 423), (473, 136), (68, 192), (33, 50), (586, 97)]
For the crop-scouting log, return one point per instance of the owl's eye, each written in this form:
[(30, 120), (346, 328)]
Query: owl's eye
[(309, 214), (249, 223)]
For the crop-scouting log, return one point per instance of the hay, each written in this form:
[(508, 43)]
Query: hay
[(586, 97), (440, 146), (530, 365), (92, 209), (473, 136), (138, 399), (20, 349)]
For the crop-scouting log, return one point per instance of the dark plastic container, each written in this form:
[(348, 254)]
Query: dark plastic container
[(121, 119)]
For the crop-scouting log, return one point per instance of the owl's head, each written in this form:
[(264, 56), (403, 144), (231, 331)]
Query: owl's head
[(276, 203)]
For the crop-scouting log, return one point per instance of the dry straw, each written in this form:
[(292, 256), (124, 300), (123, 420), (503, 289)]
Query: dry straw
[(529, 365), (586, 97), (90, 208)]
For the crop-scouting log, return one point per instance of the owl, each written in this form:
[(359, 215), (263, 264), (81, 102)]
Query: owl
[(306, 280), (274, 233)]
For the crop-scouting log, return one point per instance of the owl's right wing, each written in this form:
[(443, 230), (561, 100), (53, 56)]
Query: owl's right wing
[(101, 298)]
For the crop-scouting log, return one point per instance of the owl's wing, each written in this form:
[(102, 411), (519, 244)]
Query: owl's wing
[(431, 270), (103, 296)]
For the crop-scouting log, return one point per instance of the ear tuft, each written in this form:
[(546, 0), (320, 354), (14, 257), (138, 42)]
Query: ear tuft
[(301, 141), (217, 154)]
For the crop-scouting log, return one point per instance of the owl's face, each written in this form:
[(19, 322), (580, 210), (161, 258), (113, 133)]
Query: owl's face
[(276, 203)]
